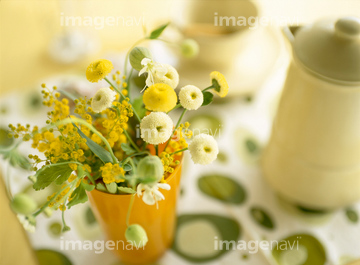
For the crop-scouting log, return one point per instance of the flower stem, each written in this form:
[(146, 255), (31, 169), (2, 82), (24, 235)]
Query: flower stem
[(122, 95), (129, 209), (179, 151), (49, 201), (128, 83), (131, 141), (210, 87), (177, 125), (176, 107), (157, 150)]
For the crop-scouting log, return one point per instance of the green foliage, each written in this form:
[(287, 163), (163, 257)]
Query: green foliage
[(52, 173), (208, 98), (112, 187), (127, 149), (139, 107), (16, 159), (157, 32), (98, 150), (78, 196), (126, 190)]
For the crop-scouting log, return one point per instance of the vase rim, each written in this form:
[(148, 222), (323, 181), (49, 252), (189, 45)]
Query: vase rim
[(171, 177)]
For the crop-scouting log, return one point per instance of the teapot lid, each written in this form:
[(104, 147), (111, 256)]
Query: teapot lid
[(331, 48)]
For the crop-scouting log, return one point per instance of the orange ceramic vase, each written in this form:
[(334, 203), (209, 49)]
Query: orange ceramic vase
[(159, 223)]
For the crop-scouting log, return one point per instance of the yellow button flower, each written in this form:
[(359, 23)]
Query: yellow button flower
[(98, 70), (160, 97), (219, 83)]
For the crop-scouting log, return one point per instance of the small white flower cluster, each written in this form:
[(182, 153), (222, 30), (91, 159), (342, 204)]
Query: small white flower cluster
[(159, 73), (26, 223), (156, 128), (203, 149), (191, 97), (103, 99), (151, 194)]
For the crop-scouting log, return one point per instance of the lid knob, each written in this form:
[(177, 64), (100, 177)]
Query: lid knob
[(348, 27)]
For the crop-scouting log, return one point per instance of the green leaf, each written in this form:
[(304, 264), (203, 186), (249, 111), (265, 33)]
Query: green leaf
[(127, 167), (78, 196), (112, 187), (126, 190), (127, 149), (98, 150), (157, 32), (87, 186), (18, 160), (48, 174), (100, 186), (139, 107), (208, 98)]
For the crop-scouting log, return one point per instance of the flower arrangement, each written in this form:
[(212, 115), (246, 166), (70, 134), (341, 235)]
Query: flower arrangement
[(94, 146)]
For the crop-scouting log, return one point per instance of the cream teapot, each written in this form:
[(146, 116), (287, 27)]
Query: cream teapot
[(313, 156)]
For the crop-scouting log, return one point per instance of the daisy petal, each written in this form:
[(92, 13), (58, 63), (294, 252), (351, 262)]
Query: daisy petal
[(148, 198)]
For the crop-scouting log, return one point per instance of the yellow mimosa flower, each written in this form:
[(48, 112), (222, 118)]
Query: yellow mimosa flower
[(98, 70)]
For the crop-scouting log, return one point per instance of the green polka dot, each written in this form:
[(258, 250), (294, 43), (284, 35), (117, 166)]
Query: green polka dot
[(352, 215), (247, 146), (299, 249), (55, 229), (261, 217), (222, 157), (222, 188), (294, 256), (197, 236), (89, 215), (48, 256), (207, 124)]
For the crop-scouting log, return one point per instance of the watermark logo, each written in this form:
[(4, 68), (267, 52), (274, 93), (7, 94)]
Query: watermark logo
[(100, 22), (99, 246), (254, 22), (253, 246), (216, 132)]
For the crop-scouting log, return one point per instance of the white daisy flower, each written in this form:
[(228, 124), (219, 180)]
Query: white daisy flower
[(170, 78), (151, 194), (191, 97), (156, 128), (103, 99), (203, 149), (152, 68)]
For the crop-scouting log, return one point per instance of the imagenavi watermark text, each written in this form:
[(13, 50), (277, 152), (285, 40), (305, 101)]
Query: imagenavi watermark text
[(253, 246), (254, 22), (100, 22), (99, 246)]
